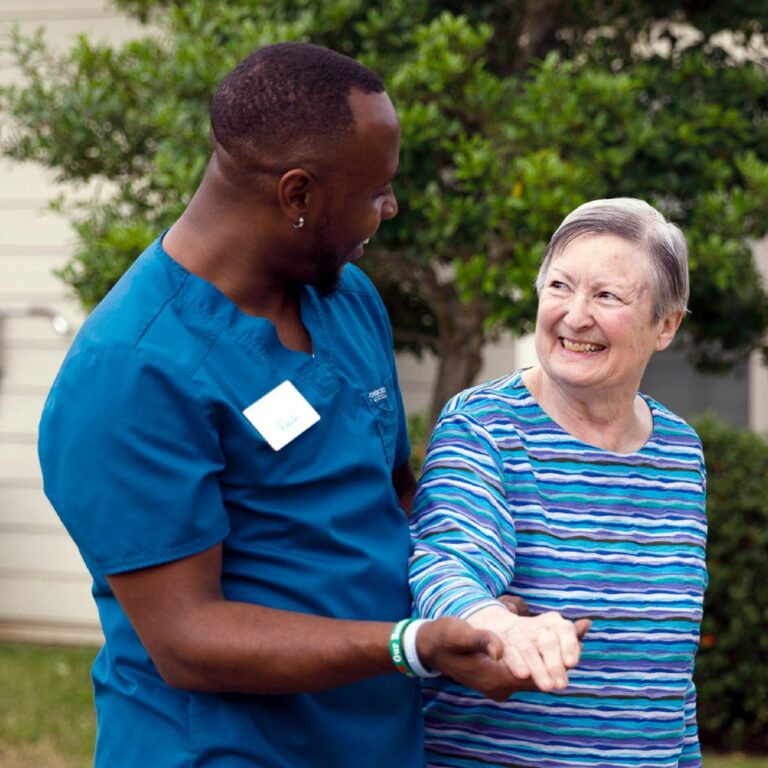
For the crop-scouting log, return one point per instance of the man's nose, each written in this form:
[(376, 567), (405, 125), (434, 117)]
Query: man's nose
[(389, 209)]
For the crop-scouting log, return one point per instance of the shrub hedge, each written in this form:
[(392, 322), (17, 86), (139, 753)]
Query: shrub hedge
[(732, 664)]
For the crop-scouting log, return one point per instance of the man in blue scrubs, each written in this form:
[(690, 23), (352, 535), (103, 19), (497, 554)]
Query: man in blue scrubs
[(226, 444)]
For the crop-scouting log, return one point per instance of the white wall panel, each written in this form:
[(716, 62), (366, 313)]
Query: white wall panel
[(18, 461), (39, 228), (29, 273), (47, 600), (44, 586), (758, 370), (25, 507), (53, 554), (24, 184), (19, 414), (416, 374), (31, 368), (38, 331)]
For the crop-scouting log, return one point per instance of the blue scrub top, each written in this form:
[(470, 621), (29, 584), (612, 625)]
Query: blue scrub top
[(147, 458)]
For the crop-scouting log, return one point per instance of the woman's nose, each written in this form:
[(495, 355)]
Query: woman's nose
[(579, 312)]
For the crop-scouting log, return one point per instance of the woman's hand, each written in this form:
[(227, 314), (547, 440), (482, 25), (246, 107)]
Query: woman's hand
[(542, 648), (470, 656)]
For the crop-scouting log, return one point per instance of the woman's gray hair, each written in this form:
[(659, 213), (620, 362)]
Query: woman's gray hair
[(638, 223)]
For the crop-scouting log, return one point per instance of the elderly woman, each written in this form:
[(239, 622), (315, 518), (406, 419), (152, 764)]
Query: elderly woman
[(562, 484)]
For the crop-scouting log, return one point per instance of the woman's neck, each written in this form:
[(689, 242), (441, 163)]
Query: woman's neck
[(617, 421)]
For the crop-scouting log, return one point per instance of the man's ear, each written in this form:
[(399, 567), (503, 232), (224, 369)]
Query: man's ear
[(669, 325), (295, 192)]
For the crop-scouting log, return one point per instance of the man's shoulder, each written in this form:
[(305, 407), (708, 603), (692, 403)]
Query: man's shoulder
[(140, 321), (135, 301)]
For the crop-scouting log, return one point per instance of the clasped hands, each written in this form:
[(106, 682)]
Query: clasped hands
[(537, 648), (501, 652)]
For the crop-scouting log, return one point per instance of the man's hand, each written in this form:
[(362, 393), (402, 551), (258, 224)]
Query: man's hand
[(541, 648), (514, 604)]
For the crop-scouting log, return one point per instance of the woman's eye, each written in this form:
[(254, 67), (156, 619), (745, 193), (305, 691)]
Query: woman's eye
[(557, 285), (608, 296)]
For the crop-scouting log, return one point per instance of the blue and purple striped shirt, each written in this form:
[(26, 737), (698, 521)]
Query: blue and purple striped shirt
[(510, 502)]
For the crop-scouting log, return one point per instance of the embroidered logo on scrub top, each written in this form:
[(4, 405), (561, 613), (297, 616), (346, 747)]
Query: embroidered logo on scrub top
[(378, 396), (281, 415)]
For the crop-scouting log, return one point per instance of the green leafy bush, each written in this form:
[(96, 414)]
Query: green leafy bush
[(417, 432), (512, 114), (732, 665)]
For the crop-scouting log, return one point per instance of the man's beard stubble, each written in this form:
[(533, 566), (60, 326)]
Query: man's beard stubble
[(325, 261)]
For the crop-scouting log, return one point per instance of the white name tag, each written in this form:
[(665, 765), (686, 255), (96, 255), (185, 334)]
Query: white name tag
[(281, 415)]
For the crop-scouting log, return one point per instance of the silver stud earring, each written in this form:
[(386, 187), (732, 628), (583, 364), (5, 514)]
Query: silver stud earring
[(300, 223)]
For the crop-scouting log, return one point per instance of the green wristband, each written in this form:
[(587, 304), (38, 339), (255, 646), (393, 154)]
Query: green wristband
[(396, 648)]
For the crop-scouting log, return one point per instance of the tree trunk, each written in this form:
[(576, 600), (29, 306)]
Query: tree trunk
[(460, 354), (523, 30)]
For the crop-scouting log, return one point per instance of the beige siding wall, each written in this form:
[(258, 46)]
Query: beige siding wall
[(758, 371), (44, 586)]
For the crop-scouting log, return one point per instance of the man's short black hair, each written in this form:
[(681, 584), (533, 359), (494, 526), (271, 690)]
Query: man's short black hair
[(285, 100)]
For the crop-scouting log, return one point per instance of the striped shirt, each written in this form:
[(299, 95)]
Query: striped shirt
[(510, 502)]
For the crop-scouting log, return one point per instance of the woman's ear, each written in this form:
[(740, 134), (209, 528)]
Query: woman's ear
[(669, 325)]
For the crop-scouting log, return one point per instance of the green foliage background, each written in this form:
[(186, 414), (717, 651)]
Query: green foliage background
[(513, 112), (732, 665), (46, 700)]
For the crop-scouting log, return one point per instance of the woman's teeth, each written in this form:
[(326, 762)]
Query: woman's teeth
[(575, 346)]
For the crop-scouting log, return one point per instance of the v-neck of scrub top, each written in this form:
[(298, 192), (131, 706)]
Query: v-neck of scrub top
[(316, 370)]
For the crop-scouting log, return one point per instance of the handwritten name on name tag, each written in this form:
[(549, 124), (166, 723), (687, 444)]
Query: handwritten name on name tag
[(281, 415)]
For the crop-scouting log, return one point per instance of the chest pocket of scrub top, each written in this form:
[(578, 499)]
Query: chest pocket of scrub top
[(381, 403)]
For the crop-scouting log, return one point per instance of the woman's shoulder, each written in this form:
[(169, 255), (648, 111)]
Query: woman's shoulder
[(502, 407), (506, 391), (668, 423), (673, 437)]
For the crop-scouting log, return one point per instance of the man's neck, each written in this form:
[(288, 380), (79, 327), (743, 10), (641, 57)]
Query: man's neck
[(214, 255)]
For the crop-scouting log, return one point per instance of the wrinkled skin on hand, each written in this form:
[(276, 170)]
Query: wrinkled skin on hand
[(540, 648), (480, 658)]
